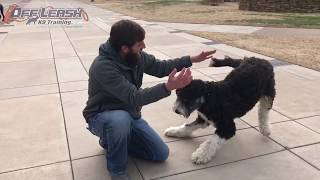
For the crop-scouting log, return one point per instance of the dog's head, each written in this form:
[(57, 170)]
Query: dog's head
[(190, 98)]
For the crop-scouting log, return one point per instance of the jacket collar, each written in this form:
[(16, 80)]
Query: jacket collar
[(106, 50)]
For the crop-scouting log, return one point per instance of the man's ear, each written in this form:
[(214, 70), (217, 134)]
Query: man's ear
[(124, 49)]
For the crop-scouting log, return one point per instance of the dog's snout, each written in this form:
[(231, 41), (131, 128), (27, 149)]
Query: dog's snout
[(176, 111)]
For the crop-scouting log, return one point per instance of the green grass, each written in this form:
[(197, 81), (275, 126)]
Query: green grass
[(296, 21)]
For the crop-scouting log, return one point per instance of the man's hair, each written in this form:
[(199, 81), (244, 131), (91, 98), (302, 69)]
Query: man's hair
[(125, 33)]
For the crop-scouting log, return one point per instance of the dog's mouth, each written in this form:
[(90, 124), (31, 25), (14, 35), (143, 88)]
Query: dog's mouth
[(186, 110), (183, 114), (181, 111)]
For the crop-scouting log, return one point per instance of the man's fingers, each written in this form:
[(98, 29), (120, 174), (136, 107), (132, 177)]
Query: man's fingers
[(182, 79), (211, 52), (208, 53), (173, 72), (186, 81), (181, 73), (187, 77), (188, 72)]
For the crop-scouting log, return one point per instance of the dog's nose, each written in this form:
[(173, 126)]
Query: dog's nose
[(177, 111)]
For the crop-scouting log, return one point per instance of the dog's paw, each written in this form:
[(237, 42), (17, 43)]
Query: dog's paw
[(214, 62), (179, 131), (207, 150), (265, 130), (201, 156)]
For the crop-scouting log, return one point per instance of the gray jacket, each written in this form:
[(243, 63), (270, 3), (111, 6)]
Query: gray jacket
[(113, 85)]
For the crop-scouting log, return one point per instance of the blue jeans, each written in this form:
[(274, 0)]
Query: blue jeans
[(121, 135)]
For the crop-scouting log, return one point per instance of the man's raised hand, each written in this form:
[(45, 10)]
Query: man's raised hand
[(181, 80)]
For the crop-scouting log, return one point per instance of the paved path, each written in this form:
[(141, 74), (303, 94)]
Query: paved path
[(43, 89), (269, 31)]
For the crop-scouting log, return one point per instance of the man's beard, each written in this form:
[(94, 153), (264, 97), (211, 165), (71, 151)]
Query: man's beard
[(132, 59)]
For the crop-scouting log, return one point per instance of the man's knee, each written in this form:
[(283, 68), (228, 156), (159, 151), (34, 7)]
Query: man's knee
[(162, 153), (119, 121)]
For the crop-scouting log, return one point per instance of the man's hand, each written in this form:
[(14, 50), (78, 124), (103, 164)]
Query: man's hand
[(202, 56), (183, 79)]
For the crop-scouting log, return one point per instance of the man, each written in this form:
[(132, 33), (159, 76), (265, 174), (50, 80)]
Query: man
[(113, 110)]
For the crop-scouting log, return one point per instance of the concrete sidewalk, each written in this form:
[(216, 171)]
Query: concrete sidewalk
[(43, 89), (267, 31)]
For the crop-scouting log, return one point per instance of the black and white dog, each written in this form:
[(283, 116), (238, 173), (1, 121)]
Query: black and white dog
[(219, 103)]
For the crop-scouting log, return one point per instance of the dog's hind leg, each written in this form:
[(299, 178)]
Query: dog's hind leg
[(227, 61), (265, 105), (186, 130)]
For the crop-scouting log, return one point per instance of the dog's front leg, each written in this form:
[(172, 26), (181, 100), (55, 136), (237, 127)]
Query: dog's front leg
[(226, 129), (207, 150), (186, 130), (227, 61)]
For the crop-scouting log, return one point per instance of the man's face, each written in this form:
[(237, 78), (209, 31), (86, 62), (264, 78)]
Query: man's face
[(138, 47), (132, 54)]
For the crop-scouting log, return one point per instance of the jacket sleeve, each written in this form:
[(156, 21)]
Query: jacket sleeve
[(162, 68), (113, 82)]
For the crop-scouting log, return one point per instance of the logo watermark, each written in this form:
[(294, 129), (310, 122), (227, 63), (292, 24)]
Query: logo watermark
[(46, 15)]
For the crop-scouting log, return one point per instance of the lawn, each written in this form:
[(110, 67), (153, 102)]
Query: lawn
[(304, 51)]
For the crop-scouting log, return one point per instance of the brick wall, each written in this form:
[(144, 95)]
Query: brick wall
[(280, 5)]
